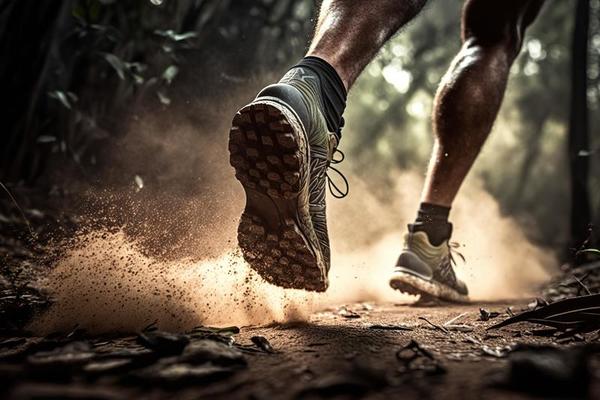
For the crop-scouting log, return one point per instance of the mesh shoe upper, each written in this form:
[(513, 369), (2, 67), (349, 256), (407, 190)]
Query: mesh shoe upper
[(429, 262), (322, 145)]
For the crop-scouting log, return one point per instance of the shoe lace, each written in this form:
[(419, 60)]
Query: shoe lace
[(452, 246), (333, 188), (447, 270)]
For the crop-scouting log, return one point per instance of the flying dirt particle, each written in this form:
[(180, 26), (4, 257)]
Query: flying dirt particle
[(179, 240)]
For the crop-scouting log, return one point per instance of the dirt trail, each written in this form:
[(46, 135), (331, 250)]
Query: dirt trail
[(342, 352), (335, 346)]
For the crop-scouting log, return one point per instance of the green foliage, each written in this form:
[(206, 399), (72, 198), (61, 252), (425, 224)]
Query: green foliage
[(65, 98), (99, 57)]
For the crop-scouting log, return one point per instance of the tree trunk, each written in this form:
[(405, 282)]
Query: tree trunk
[(578, 129)]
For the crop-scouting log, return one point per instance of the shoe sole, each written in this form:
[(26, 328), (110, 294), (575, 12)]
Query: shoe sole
[(416, 286), (269, 151)]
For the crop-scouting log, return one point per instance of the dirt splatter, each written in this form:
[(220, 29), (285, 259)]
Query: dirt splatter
[(107, 282), (173, 257)]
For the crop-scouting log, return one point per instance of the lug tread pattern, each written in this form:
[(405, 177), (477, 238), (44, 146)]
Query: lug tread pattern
[(270, 157)]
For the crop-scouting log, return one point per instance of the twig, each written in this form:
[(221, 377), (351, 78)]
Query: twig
[(581, 283), (441, 328), (20, 210), (452, 326), (453, 320), (391, 327), (150, 327)]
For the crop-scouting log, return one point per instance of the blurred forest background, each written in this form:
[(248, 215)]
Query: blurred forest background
[(77, 72)]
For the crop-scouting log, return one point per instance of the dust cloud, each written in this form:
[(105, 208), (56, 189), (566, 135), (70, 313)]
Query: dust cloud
[(500, 262), (106, 283), (174, 258)]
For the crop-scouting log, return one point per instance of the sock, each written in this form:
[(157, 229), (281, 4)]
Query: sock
[(333, 92), (433, 220)]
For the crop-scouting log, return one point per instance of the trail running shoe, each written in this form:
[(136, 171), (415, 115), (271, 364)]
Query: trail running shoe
[(281, 147), (426, 270)]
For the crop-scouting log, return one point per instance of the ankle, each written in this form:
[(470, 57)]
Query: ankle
[(332, 91), (433, 220), (337, 66)]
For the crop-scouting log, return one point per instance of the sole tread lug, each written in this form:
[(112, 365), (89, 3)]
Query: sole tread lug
[(251, 135), (414, 286), (265, 154), (274, 160), (293, 270)]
